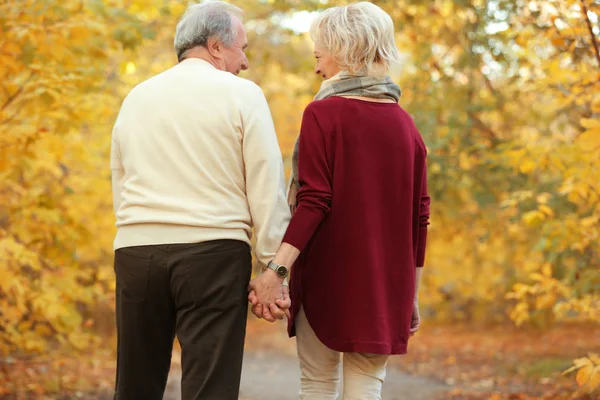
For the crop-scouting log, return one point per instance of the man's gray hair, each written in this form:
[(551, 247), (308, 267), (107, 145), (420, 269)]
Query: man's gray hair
[(202, 21)]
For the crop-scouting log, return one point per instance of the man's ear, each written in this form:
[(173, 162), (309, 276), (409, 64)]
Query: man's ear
[(214, 47)]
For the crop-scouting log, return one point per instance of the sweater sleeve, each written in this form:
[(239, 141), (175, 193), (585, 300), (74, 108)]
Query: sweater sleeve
[(117, 170), (265, 179), (315, 178), (423, 221)]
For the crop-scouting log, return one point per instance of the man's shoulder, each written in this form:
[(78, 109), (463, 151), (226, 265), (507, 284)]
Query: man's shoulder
[(244, 84), (210, 74), (230, 84), (247, 92), (142, 88), (227, 84)]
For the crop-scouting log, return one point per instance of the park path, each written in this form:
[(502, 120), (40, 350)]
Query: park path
[(269, 375)]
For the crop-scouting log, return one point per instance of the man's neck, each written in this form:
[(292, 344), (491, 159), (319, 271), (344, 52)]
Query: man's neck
[(202, 54)]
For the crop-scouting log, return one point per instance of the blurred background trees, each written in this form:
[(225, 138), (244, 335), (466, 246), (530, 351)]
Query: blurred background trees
[(505, 93)]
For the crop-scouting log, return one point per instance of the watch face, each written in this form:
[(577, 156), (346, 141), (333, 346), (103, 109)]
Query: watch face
[(282, 271)]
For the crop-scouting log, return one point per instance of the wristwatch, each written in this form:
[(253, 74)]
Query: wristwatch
[(281, 270)]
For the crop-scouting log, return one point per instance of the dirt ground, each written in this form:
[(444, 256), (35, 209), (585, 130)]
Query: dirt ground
[(271, 372), (272, 376)]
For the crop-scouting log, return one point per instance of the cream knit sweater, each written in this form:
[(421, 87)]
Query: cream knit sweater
[(195, 158)]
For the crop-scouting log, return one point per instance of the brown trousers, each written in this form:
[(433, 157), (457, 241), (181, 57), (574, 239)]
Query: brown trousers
[(195, 291)]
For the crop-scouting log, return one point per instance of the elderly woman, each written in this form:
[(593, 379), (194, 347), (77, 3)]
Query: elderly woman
[(357, 236)]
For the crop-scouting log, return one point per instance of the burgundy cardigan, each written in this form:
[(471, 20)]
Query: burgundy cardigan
[(361, 224)]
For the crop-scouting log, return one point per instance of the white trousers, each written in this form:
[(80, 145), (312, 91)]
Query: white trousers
[(320, 369)]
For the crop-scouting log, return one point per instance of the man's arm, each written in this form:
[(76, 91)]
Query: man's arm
[(265, 190), (118, 172), (265, 179)]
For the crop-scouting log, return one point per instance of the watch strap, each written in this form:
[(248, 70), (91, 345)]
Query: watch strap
[(276, 267)]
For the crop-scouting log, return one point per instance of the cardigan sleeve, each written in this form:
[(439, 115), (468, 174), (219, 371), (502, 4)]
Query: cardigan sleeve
[(423, 220), (315, 179)]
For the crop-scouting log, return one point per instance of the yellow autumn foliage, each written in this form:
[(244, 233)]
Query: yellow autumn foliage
[(506, 95), (56, 77)]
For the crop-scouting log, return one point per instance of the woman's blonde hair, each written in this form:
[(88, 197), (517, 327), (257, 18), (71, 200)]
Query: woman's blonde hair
[(359, 37)]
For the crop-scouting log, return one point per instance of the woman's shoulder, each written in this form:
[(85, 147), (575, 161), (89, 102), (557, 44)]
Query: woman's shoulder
[(324, 104), (338, 103)]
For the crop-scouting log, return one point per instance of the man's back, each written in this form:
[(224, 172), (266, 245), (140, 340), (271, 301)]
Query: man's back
[(195, 168), (187, 142)]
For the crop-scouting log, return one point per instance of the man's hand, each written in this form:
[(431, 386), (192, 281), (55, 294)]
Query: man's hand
[(415, 323), (269, 297)]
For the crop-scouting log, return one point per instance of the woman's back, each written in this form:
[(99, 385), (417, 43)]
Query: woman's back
[(363, 171), (378, 151)]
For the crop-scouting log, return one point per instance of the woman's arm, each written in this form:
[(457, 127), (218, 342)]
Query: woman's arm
[(421, 245), (315, 180), (423, 220)]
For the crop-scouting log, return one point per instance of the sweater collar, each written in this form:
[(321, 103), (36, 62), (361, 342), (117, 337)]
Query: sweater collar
[(197, 61)]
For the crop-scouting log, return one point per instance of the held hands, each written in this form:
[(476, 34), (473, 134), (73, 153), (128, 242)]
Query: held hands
[(270, 299)]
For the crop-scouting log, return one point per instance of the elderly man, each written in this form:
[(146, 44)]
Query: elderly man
[(196, 165)]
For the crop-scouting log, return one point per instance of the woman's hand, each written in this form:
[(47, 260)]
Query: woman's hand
[(415, 323)]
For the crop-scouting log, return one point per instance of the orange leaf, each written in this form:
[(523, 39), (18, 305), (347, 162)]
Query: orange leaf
[(594, 380), (583, 375)]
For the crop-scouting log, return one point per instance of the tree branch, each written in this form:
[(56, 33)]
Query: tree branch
[(11, 98), (584, 10), (18, 92), (11, 118), (479, 124)]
